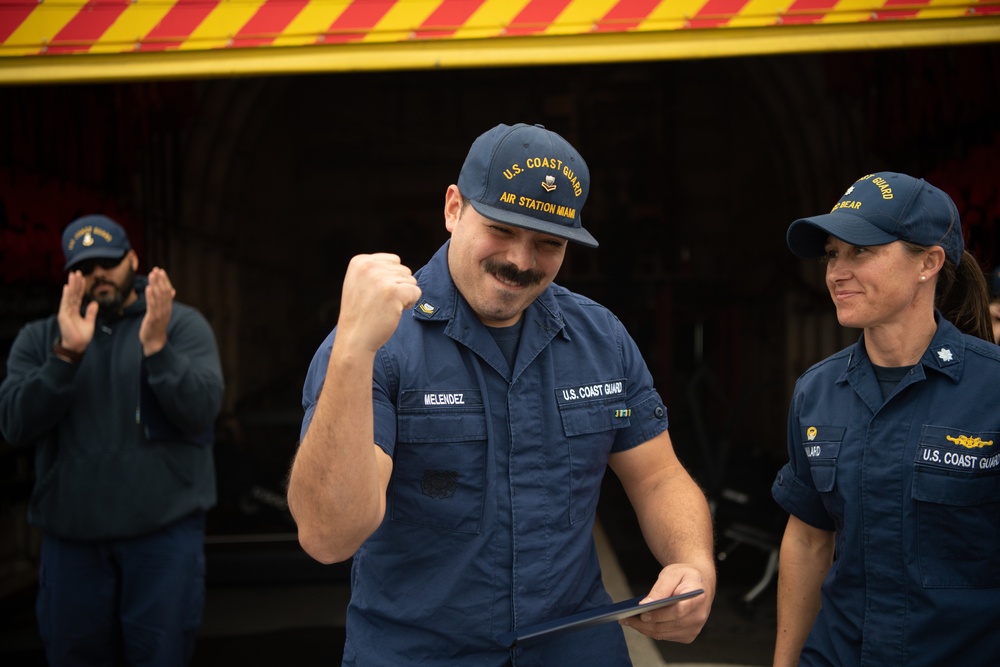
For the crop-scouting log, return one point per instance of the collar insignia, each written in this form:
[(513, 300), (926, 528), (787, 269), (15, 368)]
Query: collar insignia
[(945, 355), (549, 184)]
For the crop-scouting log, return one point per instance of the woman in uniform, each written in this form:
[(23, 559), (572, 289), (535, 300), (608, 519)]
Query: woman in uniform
[(891, 554)]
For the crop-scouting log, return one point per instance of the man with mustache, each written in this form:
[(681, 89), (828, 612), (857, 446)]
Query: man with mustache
[(459, 422), (119, 391)]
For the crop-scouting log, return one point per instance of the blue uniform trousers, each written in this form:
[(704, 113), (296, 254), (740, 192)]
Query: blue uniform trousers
[(135, 601)]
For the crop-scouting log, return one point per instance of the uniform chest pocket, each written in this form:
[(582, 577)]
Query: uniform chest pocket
[(439, 467), (590, 429), (958, 526), (822, 448)]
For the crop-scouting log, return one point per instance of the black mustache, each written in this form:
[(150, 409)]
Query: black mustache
[(510, 273)]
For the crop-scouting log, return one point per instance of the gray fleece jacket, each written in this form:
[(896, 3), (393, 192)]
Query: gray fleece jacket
[(124, 442)]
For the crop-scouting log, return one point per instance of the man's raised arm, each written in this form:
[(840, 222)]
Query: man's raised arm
[(338, 480)]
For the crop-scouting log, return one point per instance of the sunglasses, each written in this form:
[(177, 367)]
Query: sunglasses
[(87, 266)]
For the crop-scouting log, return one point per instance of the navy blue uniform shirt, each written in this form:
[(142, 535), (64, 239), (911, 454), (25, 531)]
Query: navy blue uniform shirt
[(496, 477), (912, 488)]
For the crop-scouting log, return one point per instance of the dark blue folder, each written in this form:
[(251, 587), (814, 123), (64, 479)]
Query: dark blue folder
[(611, 612)]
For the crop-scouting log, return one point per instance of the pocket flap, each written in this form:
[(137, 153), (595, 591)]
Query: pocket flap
[(936, 486), (583, 418)]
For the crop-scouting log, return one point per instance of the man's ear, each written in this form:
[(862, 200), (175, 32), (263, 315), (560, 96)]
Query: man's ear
[(452, 207)]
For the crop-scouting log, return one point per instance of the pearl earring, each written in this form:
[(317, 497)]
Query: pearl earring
[(923, 278)]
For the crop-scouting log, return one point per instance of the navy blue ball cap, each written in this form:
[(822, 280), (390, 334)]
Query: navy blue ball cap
[(881, 208), (93, 236), (528, 176)]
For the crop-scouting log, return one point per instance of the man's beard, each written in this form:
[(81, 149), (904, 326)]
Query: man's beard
[(110, 305)]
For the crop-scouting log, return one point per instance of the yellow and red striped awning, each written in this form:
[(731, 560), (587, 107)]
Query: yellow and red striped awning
[(73, 40)]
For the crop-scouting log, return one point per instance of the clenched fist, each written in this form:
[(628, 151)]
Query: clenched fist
[(377, 289)]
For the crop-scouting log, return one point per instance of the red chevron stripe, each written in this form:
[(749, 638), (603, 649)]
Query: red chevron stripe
[(536, 16), (626, 15), (447, 18), (11, 17), (715, 13), (268, 22), (888, 13), (87, 26), (807, 11), (178, 24), (357, 20)]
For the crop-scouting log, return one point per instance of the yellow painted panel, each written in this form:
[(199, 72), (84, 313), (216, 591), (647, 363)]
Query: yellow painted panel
[(221, 25), (312, 21), (850, 11), (133, 24), (942, 9), (481, 32), (591, 48), (578, 15), (759, 13), (491, 19), (672, 15), (41, 26), (398, 23)]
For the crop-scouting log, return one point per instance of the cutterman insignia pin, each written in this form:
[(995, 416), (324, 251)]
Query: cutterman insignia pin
[(969, 442)]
